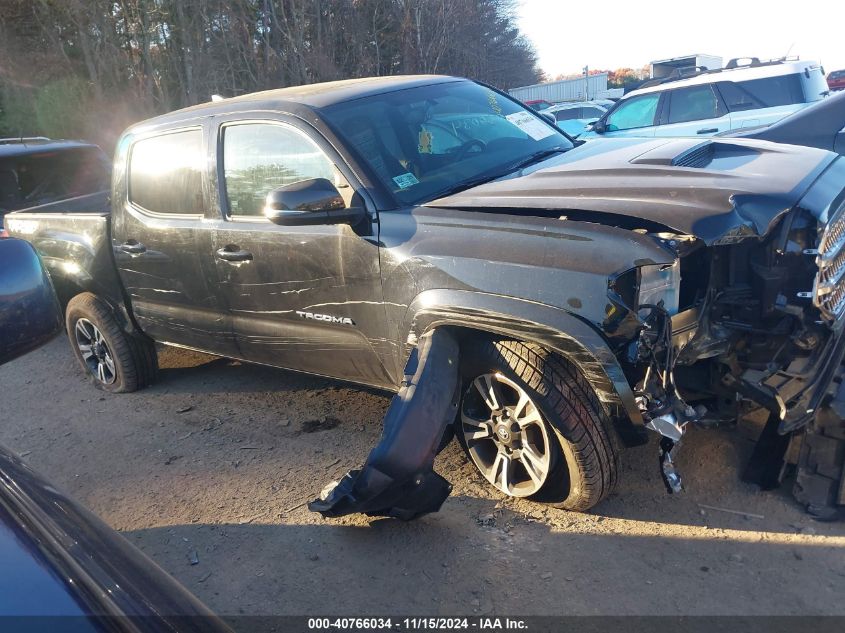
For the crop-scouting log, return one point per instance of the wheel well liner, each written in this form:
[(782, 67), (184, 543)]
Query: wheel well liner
[(556, 329)]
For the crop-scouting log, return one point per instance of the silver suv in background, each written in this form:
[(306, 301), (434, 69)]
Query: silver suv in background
[(716, 101), (574, 118)]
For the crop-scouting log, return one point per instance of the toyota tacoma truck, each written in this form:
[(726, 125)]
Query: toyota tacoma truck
[(548, 302)]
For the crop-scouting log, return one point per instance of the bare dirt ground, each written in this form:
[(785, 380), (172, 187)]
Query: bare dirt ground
[(214, 463)]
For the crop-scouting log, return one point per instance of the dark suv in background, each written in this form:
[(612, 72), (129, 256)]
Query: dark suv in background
[(36, 170)]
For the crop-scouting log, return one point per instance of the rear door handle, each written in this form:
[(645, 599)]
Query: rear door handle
[(234, 254), (708, 130), (133, 247)]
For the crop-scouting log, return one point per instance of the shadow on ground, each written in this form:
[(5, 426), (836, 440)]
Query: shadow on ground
[(219, 458), (476, 558)]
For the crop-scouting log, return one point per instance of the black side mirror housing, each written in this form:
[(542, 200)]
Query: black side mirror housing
[(309, 202), (29, 310), (599, 127)]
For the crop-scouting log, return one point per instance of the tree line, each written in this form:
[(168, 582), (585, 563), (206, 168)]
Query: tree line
[(87, 68)]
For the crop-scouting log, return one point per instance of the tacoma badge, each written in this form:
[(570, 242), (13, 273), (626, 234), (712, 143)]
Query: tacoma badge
[(327, 318)]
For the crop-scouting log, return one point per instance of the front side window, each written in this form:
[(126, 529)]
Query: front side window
[(165, 173), (633, 113), (261, 157), (426, 141), (693, 104)]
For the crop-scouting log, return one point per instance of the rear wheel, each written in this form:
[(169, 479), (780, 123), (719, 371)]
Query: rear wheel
[(534, 427), (115, 360)]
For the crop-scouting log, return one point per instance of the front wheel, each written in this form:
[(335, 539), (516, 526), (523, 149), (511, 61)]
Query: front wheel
[(116, 361), (534, 427)]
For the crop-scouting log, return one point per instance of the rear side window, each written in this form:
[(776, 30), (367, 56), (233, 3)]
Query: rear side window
[(568, 115), (261, 157), (693, 104), (165, 173), (633, 113), (762, 93)]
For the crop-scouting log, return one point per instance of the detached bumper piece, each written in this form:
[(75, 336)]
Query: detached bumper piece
[(398, 479)]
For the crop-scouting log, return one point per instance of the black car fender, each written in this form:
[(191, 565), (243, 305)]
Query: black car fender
[(551, 327)]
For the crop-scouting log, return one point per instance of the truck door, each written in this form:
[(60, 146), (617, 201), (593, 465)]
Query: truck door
[(159, 238), (307, 298)]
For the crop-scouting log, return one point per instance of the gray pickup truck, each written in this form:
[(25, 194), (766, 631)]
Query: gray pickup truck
[(549, 302)]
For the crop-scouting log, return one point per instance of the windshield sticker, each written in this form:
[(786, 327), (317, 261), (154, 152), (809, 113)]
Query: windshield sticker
[(404, 181), (530, 124), (425, 142), (494, 105)]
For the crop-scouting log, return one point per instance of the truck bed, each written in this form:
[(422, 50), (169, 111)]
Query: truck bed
[(73, 238)]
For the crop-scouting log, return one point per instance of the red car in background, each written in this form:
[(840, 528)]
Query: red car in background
[(538, 104), (836, 80)]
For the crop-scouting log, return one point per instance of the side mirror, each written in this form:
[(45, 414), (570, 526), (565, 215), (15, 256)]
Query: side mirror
[(29, 311), (549, 117), (309, 202), (599, 127)]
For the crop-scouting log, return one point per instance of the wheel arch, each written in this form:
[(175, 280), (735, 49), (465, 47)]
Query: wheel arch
[(70, 281), (470, 313)]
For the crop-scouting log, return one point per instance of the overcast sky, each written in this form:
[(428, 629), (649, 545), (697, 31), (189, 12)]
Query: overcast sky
[(611, 34)]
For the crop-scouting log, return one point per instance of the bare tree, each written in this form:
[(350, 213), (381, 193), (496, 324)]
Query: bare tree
[(137, 57)]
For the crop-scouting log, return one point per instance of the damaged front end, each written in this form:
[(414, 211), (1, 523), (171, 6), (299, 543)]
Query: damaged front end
[(398, 479), (752, 323)]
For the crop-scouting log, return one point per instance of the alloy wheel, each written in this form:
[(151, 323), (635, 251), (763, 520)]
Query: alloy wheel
[(95, 351), (506, 435)]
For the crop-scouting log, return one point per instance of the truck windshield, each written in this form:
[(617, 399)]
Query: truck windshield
[(425, 142)]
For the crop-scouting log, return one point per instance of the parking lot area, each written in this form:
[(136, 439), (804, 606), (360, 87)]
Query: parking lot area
[(208, 472)]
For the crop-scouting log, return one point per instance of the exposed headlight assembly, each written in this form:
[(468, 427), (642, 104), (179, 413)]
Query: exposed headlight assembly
[(660, 283)]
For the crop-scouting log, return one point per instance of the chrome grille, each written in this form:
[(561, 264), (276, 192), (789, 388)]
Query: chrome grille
[(830, 291)]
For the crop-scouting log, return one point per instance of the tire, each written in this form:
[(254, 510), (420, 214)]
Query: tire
[(567, 419), (116, 361), (820, 475)]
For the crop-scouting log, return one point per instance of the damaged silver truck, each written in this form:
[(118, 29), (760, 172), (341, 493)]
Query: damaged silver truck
[(547, 301)]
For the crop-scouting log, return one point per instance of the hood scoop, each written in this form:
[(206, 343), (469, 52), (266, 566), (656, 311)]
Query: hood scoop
[(691, 153), (698, 157)]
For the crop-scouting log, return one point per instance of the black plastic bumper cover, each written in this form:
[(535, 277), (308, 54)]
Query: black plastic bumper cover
[(398, 479)]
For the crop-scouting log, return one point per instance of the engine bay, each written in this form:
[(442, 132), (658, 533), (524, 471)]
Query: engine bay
[(727, 329)]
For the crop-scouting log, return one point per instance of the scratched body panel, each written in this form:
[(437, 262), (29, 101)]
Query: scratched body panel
[(295, 274)]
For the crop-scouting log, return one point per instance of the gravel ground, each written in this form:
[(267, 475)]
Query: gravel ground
[(218, 458)]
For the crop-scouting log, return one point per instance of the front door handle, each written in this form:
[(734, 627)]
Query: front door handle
[(234, 254), (133, 247), (708, 130)]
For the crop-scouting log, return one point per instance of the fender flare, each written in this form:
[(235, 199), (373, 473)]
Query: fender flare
[(551, 327), (68, 281)]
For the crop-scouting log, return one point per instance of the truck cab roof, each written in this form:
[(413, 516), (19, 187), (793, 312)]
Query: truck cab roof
[(298, 98)]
